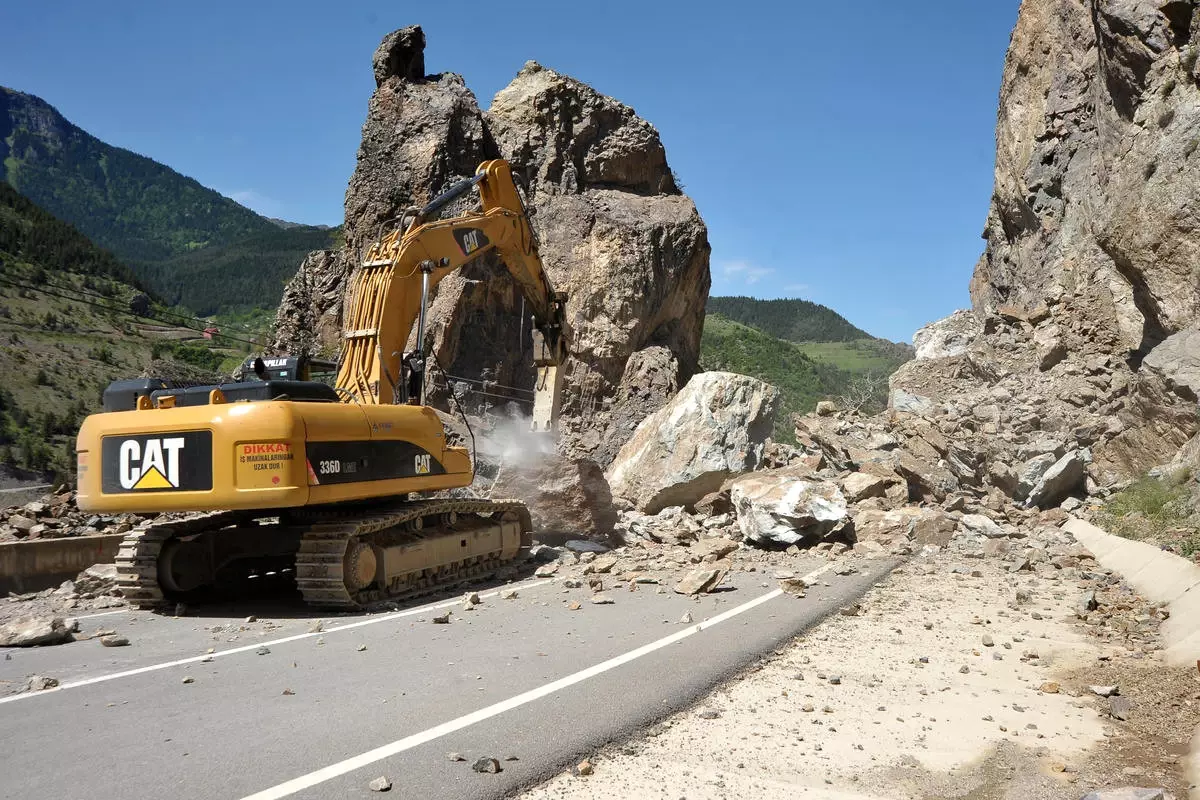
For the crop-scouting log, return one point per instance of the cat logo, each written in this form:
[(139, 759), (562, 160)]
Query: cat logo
[(470, 240), (422, 464), (153, 464), (164, 463)]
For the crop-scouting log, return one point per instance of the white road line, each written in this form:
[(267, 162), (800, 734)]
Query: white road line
[(106, 613), (407, 743), (235, 650)]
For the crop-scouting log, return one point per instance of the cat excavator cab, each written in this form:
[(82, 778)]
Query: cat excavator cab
[(327, 480)]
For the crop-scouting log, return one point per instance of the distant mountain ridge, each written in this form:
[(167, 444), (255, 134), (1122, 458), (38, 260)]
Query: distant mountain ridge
[(149, 216), (792, 320)]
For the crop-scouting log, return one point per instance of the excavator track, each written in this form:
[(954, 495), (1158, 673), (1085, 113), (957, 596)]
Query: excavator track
[(330, 538), (138, 554), (321, 559)]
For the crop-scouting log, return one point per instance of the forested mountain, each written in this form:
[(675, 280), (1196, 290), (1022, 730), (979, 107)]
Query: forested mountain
[(242, 275), (801, 380), (134, 206), (149, 216)]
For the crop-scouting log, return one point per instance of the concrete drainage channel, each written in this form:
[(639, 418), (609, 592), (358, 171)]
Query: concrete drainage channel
[(1161, 577)]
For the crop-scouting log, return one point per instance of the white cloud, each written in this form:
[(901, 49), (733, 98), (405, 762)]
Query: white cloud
[(743, 272)]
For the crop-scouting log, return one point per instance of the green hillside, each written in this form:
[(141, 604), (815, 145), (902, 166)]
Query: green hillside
[(791, 320), (66, 332)]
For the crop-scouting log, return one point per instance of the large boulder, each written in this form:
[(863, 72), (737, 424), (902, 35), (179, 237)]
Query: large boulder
[(35, 632), (567, 499), (422, 133), (947, 337), (620, 238), (1062, 479), (1177, 360), (716, 427), (778, 510)]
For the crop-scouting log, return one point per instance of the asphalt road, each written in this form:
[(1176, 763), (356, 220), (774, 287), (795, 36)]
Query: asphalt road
[(322, 714)]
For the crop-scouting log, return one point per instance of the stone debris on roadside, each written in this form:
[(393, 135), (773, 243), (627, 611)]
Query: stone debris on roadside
[(1120, 707), (486, 764), (38, 683), (793, 586), (441, 619), (114, 640), (1127, 793), (36, 632), (700, 580), (380, 784)]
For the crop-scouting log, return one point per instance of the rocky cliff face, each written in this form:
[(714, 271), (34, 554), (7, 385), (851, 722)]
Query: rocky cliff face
[(617, 235), (1090, 282), (1094, 207)]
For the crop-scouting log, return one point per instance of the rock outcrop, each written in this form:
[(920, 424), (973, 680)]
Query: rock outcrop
[(617, 235), (715, 428)]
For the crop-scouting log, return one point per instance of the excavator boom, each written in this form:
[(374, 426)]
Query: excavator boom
[(391, 292)]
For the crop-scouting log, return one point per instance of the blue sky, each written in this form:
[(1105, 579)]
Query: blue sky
[(838, 152)]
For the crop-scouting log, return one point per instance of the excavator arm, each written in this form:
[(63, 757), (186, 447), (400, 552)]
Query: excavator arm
[(391, 291)]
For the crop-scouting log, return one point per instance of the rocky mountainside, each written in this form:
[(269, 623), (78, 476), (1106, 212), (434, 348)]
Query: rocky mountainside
[(617, 235), (1087, 299), (1093, 211), (187, 242)]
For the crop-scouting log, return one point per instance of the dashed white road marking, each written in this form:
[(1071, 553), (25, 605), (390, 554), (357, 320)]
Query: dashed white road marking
[(254, 647), (415, 740)]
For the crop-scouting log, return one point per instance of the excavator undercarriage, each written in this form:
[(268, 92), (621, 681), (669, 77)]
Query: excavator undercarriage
[(341, 558)]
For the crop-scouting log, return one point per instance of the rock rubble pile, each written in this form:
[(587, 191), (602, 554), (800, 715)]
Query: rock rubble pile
[(55, 516)]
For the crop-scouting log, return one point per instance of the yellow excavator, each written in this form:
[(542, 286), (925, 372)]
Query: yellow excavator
[(300, 474)]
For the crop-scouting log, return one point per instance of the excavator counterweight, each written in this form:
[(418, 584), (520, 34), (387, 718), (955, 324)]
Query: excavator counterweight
[(297, 475)]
